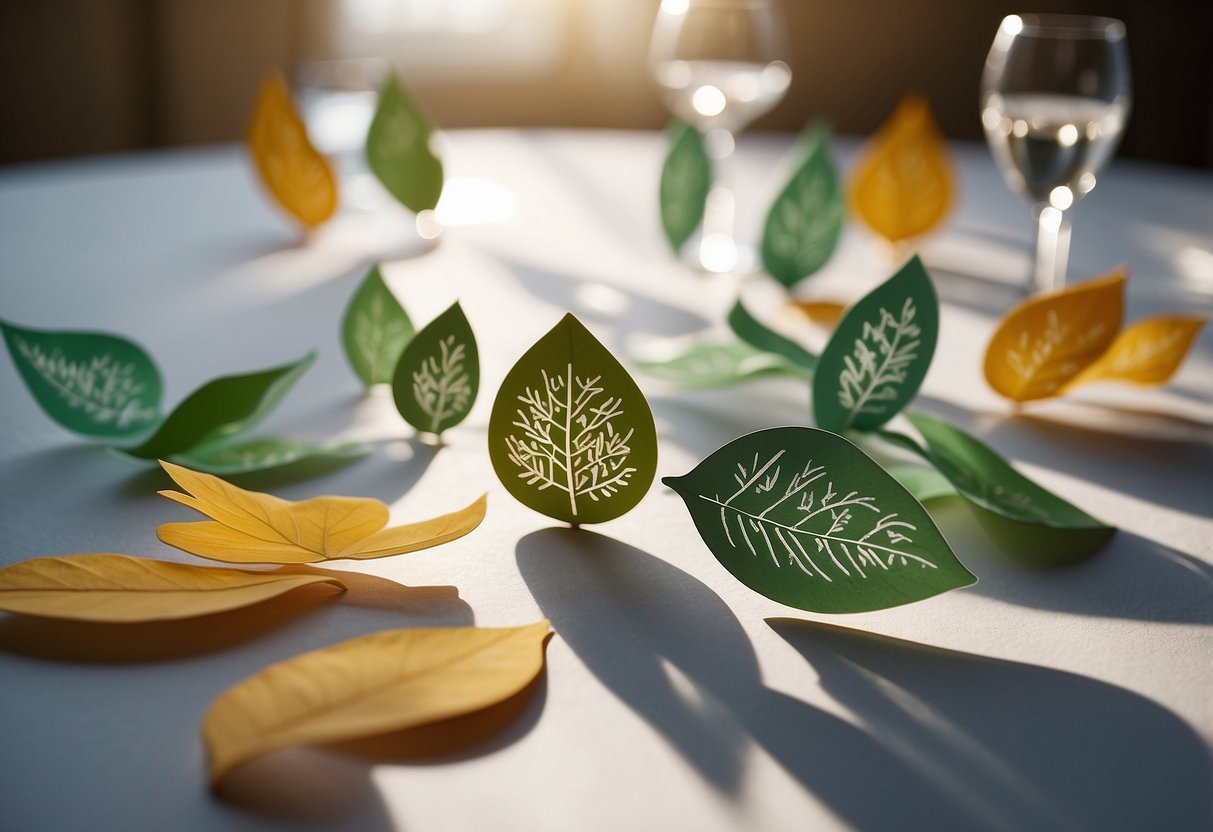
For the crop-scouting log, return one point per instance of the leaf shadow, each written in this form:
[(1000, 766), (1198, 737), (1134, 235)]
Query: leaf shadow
[(1021, 746), (374, 592), (629, 616), (700, 421)]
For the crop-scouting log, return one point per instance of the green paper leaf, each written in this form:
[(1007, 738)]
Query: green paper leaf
[(398, 149), (1027, 520), (245, 456), (715, 363), (92, 383), (805, 221), (375, 330), (878, 355), (222, 407), (757, 334), (686, 178), (571, 435), (924, 483), (436, 381), (805, 518)]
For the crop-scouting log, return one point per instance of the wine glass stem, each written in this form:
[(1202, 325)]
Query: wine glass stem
[(718, 245), (1052, 249)]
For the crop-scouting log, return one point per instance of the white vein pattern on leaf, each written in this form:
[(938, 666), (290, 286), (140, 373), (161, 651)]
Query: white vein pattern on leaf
[(567, 439), (105, 389), (1031, 355), (804, 213), (378, 335), (816, 530), (1011, 499), (870, 377), (442, 387), (1144, 353)]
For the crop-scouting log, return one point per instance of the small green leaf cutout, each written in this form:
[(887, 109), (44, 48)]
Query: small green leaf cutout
[(398, 149), (686, 178), (375, 330), (437, 378)]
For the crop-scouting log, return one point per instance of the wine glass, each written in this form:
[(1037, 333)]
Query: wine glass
[(1055, 96), (720, 64)]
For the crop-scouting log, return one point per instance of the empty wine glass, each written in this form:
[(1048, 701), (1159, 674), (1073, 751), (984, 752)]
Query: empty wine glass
[(1055, 96), (720, 64)]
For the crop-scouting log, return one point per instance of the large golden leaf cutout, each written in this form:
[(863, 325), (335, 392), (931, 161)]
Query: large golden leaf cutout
[(1147, 353), (903, 187), (298, 177), (251, 527), (1044, 343)]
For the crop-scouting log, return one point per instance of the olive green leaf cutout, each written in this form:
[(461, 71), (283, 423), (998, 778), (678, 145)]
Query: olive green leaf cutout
[(242, 456), (806, 219), (708, 361), (686, 178), (1025, 519), (398, 149), (92, 383), (805, 518), (757, 334), (878, 355), (375, 330), (437, 378), (571, 435)]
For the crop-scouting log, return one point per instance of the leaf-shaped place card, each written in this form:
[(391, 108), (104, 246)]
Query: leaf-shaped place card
[(903, 187), (1148, 352), (805, 221), (686, 178), (251, 527), (758, 335), (704, 362), (92, 383), (398, 149), (1026, 519), (375, 330), (1045, 342), (879, 353), (220, 408), (571, 435), (436, 380), (299, 178), (122, 589), (807, 519), (371, 685)]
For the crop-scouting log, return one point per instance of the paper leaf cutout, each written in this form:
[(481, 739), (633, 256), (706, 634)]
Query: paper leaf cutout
[(714, 363), (805, 518), (251, 527), (1023, 517), (298, 177), (436, 381), (757, 334), (571, 435), (1044, 343), (903, 187), (824, 313), (375, 330), (371, 685), (1147, 353), (95, 384), (122, 589), (924, 483), (686, 178), (398, 149), (246, 455), (878, 355), (805, 221), (222, 407)]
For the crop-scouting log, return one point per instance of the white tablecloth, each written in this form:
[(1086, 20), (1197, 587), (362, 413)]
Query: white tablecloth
[(674, 697)]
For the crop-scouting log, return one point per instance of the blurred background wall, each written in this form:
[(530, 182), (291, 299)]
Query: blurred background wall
[(96, 76)]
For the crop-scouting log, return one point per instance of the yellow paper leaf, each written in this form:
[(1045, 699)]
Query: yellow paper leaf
[(292, 170), (123, 589), (824, 313), (903, 187), (251, 527), (1148, 352), (1045, 342), (371, 685)]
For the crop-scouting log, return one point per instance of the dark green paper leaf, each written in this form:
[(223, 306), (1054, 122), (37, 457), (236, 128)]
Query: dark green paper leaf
[(571, 435), (398, 149), (436, 381), (805, 518), (92, 383), (923, 482), (245, 456), (805, 221), (222, 407), (686, 178), (879, 353), (757, 334), (375, 330), (707, 362), (1027, 520)]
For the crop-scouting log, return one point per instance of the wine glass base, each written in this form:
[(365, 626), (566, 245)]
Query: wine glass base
[(721, 254)]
